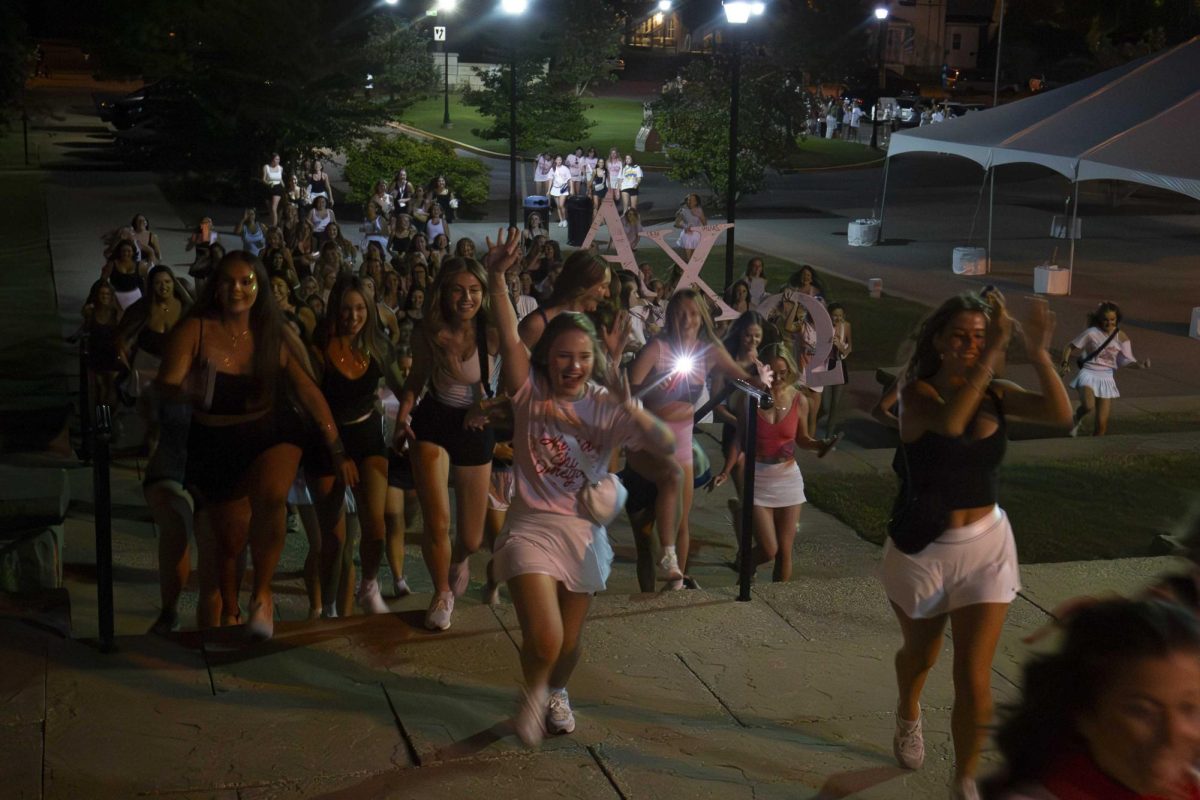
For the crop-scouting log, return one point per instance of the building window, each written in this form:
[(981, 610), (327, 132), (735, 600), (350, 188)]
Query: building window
[(656, 30), (956, 42), (901, 43)]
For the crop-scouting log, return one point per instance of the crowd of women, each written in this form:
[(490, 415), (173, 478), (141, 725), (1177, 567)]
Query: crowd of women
[(348, 381)]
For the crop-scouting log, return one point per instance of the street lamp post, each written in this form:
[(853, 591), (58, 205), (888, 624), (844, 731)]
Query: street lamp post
[(513, 8), (881, 15), (737, 13), (445, 6)]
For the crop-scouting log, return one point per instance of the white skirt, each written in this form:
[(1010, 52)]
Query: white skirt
[(1099, 379), (688, 241), (558, 191), (571, 550), (778, 485)]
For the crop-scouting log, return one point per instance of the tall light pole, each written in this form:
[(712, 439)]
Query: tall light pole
[(513, 8), (881, 15), (737, 13), (445, 6)]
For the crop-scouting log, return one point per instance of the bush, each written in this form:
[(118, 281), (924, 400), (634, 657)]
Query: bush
[(382, 155)]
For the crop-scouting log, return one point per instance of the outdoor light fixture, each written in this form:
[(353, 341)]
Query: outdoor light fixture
[(391, 2), (881, 13), (737, 11), (664, 5), (447, 5), (514, 6)]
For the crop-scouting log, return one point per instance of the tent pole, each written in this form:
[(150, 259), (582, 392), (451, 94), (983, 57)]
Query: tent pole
[(991, 208), (1071, 232), (887, 163)]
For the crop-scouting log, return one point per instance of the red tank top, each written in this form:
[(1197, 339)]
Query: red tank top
[(777, 440)]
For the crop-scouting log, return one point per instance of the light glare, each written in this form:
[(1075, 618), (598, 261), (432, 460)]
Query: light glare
[(737, 12), (684, 365), (664, 5), (514, 7), (881, 13)]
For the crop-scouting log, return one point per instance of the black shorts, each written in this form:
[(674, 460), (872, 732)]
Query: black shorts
[(400, 474), (362, 440), (440, 424), (275, 191), (643, 492), (219, 456), (632, 192)]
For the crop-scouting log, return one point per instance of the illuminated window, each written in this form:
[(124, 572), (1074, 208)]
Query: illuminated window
[(656, 30)]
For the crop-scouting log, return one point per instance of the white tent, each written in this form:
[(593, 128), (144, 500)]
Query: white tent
[(1138, 122)]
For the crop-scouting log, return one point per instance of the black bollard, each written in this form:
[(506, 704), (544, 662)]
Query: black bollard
[(755, 398), (102, 500), (85, 402)]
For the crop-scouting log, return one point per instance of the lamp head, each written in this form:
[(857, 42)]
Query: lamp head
[(447, 5), (514, 7), (881, 13), (737, 12), (664, 5)]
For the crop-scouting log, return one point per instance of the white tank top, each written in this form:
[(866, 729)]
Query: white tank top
[(275, 175)]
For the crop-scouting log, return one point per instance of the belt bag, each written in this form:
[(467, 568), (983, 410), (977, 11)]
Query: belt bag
[(604, 495)]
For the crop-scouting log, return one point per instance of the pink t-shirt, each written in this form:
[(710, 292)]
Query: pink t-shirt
[(548, 476), (1115, 354)]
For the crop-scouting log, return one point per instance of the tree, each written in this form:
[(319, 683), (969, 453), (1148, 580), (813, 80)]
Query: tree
[(380, 156), (587, 47), (400, 57), (15, 51), (544, 112), (691, 118), (293, 86)]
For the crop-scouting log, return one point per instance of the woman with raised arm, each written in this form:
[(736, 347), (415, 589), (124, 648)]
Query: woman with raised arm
[(243, 445), (670, 372), (555, 555), (451, 350), (950, 554), (352, 357)]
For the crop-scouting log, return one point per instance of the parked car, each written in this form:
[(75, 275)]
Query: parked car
[(908, 112), (954, 109), (161, 98)]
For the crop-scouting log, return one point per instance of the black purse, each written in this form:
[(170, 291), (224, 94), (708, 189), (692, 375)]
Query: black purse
[(918, 517)]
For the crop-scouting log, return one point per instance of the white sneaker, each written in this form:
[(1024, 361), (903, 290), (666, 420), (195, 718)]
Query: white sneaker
[(400, 587), (530, 721), (329, 611), (438, 616), (964, 789), (370, 599), (668, 567), (491, 594), (560, 718), (460, 577), (908, 743)]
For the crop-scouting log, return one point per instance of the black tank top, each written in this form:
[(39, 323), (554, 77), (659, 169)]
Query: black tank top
[(350, 399), (229, 394), (962, 471)]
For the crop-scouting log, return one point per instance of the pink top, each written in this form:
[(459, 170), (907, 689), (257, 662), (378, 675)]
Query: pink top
[(777, 440), (548, 477)]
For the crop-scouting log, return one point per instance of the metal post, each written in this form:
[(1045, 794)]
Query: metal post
[(746, 545), (1071, 231), (512, 140), (446, 76), (102, 500), (991, 209), (85, 402), (882, 85), (996, 78), (731, 187), (25, 133), (887, 163)]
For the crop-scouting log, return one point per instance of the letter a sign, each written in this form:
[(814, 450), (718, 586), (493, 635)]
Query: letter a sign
[(627, 259)]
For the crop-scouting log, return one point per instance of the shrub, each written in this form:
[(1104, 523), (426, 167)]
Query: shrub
[(381, 155)]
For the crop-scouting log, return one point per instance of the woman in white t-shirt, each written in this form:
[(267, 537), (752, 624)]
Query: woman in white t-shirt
[(560, 187), (575, 164), (543, 169), (1104, 348), (554, 556), (631, 178)]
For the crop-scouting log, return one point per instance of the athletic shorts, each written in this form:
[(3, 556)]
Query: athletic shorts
[(440, 424), (965, 566)]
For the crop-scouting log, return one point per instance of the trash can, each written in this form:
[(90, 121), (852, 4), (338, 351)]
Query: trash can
[(537, 204), (579, 219)]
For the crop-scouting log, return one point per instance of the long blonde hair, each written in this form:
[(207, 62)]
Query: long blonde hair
[(437, 316)]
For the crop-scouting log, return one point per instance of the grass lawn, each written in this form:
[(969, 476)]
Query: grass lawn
[(32, 364), (1053, 505), (616, 122), (879, 325)]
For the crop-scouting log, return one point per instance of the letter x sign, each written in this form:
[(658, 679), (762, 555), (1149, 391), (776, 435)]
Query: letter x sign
[(625, 256), (439, 33)]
